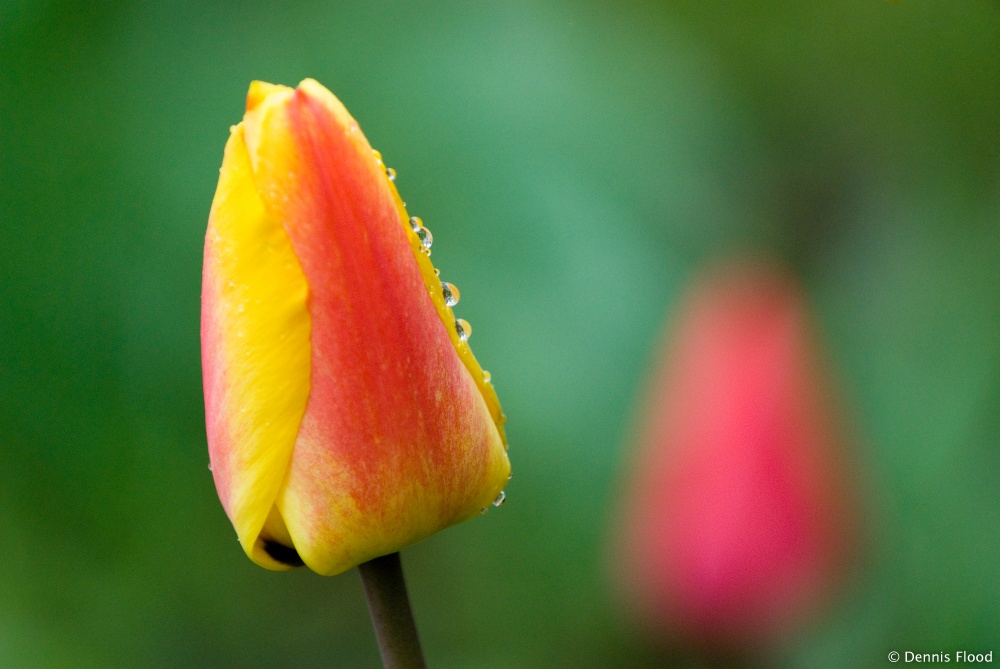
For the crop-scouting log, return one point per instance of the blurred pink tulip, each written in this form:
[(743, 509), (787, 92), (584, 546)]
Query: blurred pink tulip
[(737, 520)]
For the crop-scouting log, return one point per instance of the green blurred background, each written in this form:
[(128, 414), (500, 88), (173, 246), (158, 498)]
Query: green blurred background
[(577, 162)]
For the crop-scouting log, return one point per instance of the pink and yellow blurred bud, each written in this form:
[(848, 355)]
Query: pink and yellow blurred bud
[(737, 518), (347, 417)]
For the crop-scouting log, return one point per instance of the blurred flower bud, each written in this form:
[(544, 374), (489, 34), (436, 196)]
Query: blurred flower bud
[(736, 523)]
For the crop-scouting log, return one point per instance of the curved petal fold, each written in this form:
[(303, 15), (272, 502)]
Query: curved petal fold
[(255, 350)]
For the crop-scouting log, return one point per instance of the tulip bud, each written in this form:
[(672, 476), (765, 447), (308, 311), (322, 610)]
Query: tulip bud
[(735, 525), (346, 414)]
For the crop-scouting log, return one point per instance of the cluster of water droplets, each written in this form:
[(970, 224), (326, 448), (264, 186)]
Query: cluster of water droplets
[(449, 291)]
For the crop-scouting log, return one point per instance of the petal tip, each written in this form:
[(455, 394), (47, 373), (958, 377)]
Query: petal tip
[(260, 91)]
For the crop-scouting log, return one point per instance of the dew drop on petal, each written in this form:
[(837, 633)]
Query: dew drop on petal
[(501, 498), (426, 238), (391, 173), (437, 272), (416, 223), (463, 329), (209, 466), (487, 377), (377, 154), (451, 294), (482, 511)]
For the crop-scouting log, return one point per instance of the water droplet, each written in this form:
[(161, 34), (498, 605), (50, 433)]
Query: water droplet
[(391, 173), (377, 154), (451, 294), (232, 129), (482, 511), (510, 476), (501, 498), (487, 377), (437, 272), (426, 238), (463, 329), (209, 466), (416, 223)]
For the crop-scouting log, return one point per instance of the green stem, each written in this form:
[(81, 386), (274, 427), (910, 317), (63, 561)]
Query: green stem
[(385, 590)]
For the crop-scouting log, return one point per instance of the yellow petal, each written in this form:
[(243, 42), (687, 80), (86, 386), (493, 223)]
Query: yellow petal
[(255, 342)]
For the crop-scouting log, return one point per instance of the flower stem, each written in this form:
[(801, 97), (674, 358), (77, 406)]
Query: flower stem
[(385, 590)]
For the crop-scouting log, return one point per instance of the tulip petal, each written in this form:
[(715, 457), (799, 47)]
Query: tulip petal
[(255, 354), (402, 434)]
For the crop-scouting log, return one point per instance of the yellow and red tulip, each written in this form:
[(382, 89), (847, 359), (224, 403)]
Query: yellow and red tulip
[(737, 518), (346, 414)]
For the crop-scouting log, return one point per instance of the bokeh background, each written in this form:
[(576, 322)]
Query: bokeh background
[(577, 163)]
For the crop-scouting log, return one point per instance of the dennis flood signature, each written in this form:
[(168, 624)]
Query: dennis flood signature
[(959, 656)]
